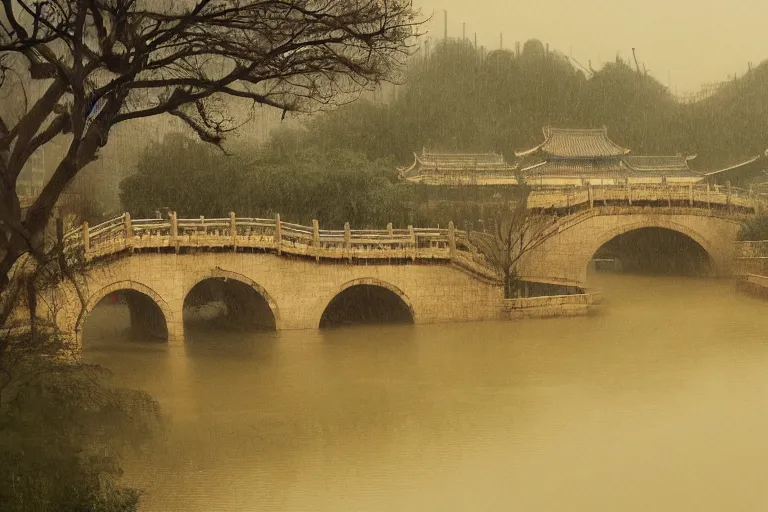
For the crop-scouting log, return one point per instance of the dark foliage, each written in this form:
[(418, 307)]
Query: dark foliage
[(460, 100), (63, 430), (334, 186)]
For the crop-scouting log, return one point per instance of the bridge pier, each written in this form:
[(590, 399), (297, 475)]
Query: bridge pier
[(296, 291)]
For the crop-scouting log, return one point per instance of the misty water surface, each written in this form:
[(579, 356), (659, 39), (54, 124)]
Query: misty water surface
[(657, 404)]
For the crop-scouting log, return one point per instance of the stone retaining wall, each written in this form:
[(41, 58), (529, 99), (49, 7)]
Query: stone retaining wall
[(551, 306), (753, 284)]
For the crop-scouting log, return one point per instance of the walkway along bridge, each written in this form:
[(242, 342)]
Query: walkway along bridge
[(436, 274)]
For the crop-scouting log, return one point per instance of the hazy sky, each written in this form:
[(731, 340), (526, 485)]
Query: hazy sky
[(695, 41)]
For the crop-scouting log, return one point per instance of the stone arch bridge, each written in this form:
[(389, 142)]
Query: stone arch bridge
[(298, 270)]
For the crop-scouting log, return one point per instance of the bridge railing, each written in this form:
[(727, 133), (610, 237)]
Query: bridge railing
[(677, 193), (123, 233), (447, 244)]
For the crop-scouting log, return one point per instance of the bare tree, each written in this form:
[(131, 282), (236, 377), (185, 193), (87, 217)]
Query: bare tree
[(516, 231), (97, 63)]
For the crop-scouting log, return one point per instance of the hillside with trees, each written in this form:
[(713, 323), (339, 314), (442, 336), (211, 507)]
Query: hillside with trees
[(341, 165), (461, 100)]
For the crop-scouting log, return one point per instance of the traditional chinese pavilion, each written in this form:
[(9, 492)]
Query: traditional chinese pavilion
[(459, 169), (574, 157), (579, 157)]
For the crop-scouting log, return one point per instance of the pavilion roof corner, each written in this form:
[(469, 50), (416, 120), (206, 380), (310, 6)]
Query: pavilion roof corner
[(748, 167)]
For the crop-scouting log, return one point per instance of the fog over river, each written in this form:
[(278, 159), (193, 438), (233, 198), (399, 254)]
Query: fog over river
[(658, 403)]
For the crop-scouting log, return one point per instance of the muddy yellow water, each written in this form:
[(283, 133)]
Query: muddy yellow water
[(659, 403)]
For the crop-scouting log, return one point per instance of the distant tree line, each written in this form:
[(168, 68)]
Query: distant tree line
[(193, 179), (458, 100)]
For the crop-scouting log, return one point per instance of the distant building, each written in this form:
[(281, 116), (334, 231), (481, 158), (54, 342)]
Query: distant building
[(581, 157), (459, 169), (566, 157)]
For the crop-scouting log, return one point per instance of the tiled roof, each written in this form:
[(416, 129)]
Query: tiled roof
[(460, 159), (658, 163), (452, 163), (592, 154), (572, 143), (480, 178), (612, 166)]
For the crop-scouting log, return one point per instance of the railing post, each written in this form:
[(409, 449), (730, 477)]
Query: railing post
[(690, 195), (347, 236), (86, 240), (278, 235), (128, 226), (629, 193), (591, 196), (174, 229), (412, 248), (708, 203), (174, 225), (728, 195), (451, 238), (233, 229), (315, 233), (389, 230)]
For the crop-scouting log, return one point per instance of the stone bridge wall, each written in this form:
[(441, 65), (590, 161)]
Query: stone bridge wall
[(564, 258), (297, 290)]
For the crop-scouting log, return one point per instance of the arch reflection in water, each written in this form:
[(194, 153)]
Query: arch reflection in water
[(125, 313), (224, 303), (655, 251), (367, 304)]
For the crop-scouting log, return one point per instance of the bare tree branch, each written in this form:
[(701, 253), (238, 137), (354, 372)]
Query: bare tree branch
[(103, 62)]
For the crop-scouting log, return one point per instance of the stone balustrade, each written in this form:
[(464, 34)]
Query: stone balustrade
[(688, 194), (235, 233)]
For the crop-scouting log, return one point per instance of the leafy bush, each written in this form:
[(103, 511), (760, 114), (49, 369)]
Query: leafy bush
[(62, 431)]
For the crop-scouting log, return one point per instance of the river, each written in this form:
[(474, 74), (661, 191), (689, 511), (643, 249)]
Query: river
[(658, 403)]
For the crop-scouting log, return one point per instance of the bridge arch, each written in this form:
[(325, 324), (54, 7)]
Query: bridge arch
[(366, 282), (718, 260), (171, 326), (220, 274)]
